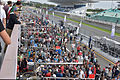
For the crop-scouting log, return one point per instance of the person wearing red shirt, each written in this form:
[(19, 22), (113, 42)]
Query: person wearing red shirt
[(48, 74), (62, 69), (94, 69), (78, 48), (80, 53)]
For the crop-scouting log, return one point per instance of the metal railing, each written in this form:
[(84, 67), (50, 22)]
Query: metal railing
[(67, 78)]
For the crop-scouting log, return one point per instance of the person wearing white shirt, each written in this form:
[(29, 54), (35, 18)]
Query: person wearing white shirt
[(81, 74), (73, 46), (90, 71), (86, 57), (2, 15)]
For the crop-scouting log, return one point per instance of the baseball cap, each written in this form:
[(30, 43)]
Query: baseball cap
[(18, 3)]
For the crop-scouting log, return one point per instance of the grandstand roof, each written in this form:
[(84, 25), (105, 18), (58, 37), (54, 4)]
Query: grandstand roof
[(110, 15), (63, 2), (73, 1)]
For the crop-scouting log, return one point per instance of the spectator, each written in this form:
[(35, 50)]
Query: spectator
[(109, 75), (13, 20), (98, 72), (16, 5), (81, 74), (24, 64), (7, 7), (11, 10)]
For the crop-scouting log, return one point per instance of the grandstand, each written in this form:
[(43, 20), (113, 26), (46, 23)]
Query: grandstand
[(110, 15), (68, 2), (43, 49)]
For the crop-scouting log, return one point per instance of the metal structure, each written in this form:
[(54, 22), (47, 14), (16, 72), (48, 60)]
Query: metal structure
[(69, 2), (76, 1)]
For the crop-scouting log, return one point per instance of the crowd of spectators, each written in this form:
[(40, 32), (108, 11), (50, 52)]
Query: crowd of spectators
[(43, 42)]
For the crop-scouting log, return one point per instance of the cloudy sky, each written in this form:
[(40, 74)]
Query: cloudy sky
[(101, 4), (105, 4)]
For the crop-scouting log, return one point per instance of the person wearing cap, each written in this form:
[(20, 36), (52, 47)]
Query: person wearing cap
[(16, 5), (4, 34), (11, 9), (13, 20)]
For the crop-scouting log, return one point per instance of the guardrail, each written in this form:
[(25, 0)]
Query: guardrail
[(9, 65), (56, 78), (67, 78)]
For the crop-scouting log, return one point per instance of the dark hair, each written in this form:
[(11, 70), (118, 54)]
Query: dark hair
[(18, 3), (14, 4), (9, 2)]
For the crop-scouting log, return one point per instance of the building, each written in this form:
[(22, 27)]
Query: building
[(72, 3)]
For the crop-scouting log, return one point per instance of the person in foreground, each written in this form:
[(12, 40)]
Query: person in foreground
[(4, 34)]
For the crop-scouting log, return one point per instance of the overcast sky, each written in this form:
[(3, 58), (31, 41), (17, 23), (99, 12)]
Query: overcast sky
[(105, 4), (101, 4)]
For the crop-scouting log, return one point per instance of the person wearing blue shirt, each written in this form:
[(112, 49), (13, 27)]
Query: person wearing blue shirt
[(29, 53), (59, 51), (35, 45), (56, 59), (31, 41)]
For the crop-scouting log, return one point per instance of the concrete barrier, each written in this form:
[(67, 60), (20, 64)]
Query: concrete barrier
[(9, 65)]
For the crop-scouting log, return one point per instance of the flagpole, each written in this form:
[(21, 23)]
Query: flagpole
[(65, 19), (82, 18), (113, 31), (80, 24), (83, 15), (53, 17)]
